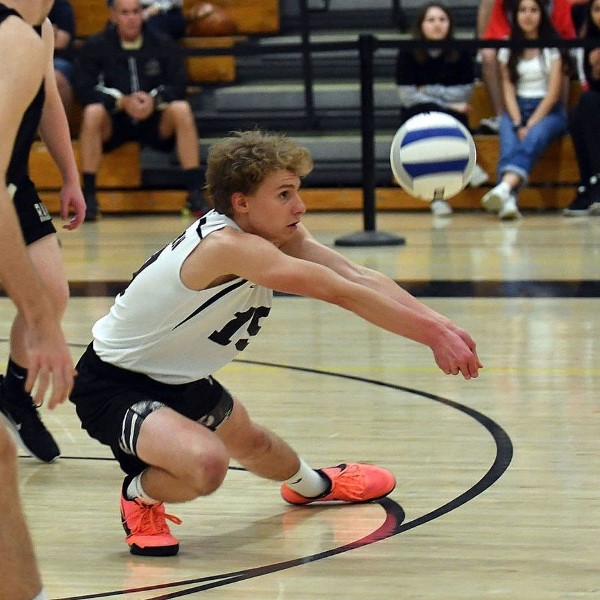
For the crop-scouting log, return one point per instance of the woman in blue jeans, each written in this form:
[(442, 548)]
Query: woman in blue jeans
[(532, 82)]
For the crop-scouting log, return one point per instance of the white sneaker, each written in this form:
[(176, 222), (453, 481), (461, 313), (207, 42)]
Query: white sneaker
[(490, 124), (440, 208), (509, 210), (495, 199), (478, 176)]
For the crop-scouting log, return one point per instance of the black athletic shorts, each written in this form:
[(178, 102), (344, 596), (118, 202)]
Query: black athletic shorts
[(103, 394), (125, 129), (35, 220)]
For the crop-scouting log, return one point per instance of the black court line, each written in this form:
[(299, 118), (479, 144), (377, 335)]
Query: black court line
[(394, 520), (531, 288)]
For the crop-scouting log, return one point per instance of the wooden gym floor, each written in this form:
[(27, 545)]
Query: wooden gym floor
[(497, 494)]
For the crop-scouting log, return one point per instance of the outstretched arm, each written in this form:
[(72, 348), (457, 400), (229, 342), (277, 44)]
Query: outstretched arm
[(307, 247), (307, 268)]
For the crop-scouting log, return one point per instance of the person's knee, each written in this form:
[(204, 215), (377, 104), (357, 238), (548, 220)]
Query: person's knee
[(60, 295), (93, 117), (208, 463), (488, 56), (45, 255), (181, 112)]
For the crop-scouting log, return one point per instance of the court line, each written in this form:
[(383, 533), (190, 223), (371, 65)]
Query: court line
[(394, 521), (489, 288)]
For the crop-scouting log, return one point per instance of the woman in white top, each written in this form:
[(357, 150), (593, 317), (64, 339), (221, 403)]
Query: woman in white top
[(532, 80)]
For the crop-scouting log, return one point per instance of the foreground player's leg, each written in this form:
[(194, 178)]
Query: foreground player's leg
[(267, 455), (15, 403)]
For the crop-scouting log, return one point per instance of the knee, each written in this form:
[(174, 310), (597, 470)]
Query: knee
[(93, 117), (208, 468), (59, 294), (181, 111), (488, 56)]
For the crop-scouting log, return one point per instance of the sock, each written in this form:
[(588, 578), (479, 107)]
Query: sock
[(505, 186), (307, 482), (14, 381), (194, 179), (41, 595), (89, 183), (135, 490)]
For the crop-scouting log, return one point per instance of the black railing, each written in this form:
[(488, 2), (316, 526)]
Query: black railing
[(366, 47)]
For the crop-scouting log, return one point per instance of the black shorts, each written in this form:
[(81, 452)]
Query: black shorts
[(34, 218), (125, 129), (104, 393)]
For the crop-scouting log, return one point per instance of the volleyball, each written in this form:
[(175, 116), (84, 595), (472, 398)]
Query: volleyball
[(432, 156)]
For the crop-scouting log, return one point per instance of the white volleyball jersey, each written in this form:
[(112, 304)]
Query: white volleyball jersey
[(171, 333)]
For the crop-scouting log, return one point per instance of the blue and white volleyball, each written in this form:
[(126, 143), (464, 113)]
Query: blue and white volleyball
[(432, 156)]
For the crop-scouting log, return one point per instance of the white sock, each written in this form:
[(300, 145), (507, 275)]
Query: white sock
[(307, 482), (135, 490), (41, 595), (504, 185)]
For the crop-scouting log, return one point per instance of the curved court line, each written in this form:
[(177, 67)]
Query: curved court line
[(393, 524)]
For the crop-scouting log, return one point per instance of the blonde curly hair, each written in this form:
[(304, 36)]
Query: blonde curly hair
[(241, 162)]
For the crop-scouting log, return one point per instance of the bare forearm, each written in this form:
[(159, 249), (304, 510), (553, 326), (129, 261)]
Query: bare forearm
[(55, 133)]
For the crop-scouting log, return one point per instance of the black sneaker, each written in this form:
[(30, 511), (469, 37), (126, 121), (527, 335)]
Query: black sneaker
[(594, 193), (195, 204), (92, 212), (580, 206), (23, 418)]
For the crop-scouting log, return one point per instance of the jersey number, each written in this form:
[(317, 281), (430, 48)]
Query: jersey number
[(253, 315)]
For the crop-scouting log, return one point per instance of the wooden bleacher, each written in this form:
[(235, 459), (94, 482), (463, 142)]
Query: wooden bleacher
[(251, 17), (119, 180), (552, 183)]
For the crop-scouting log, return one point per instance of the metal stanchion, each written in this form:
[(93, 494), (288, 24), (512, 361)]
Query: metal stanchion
[(368, 237)]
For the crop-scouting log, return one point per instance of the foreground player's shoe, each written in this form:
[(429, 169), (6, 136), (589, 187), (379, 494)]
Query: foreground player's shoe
[(23, 418), (146, 527), (350, 482)]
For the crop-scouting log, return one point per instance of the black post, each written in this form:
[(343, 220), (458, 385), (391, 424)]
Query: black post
[(398, 16), (368, 237), (307, 71)]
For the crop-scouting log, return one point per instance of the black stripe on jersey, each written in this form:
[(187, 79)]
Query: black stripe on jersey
[(216, 297), (199, 228)]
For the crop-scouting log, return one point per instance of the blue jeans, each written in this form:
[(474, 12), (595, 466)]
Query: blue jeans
[(519, 156)]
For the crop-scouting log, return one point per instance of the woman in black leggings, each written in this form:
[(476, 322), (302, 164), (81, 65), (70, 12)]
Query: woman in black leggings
[(584, 125)]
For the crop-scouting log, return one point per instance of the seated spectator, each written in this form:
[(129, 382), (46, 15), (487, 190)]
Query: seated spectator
[(584, 125), (535, 115), (494, 23), (164, 16), (131, 82), (437, 80), (63, 21)]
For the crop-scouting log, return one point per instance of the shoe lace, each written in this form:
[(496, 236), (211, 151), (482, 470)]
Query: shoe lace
[(26, 412), (151, 519), (351, 481)]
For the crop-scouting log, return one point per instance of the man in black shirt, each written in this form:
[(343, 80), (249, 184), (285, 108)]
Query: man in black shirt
[(132, 84)]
